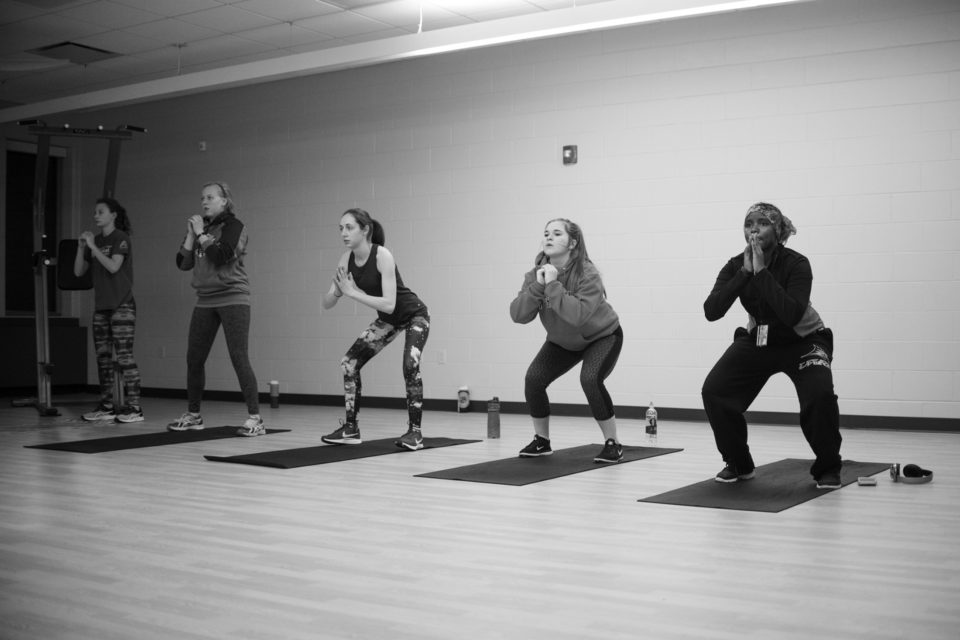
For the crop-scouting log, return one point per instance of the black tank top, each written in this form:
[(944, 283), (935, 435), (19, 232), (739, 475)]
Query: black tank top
[(367, 278)]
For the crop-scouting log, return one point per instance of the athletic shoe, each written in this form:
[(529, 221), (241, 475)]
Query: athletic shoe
[(539, 447), (411, 440), (130, 414), (829, 480), (730, 474), (186, 422), (252, 427), (102, 412), (612, 452), (348, 433)]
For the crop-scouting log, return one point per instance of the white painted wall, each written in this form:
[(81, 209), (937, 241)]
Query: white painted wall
[(844, 113)]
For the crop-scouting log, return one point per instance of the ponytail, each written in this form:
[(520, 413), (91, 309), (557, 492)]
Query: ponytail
[(122, 221), (372, 228)]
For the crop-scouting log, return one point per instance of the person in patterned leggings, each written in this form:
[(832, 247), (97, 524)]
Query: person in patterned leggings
[(110, 255), (368, 274)]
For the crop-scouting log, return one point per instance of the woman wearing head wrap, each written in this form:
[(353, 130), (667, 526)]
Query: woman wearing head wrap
[(784, 334)]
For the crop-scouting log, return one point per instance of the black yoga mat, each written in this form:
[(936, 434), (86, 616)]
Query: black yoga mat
[(777, 486), (119, 443), (520, 471), (308, 456)]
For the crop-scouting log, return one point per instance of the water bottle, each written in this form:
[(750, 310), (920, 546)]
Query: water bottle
[(274, 394), (651, 424), (493, 418)]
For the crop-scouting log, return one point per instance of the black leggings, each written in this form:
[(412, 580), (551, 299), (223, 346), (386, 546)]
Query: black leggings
[(204, 325), (599, 359)]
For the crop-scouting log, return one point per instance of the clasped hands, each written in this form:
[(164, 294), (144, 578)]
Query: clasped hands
[(753, 258), (86, 238), (343, 281), (546, 274), (195, 225)]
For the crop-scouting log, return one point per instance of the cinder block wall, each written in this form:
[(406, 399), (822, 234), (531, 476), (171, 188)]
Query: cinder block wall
[(844, 113)]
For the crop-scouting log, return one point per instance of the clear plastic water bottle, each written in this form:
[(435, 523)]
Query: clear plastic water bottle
[(651, 424), (493, 418)]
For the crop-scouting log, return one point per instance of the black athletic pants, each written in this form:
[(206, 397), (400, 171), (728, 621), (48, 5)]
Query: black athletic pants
[(743, 370)]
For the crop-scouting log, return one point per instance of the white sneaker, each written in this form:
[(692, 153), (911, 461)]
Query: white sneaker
[(102, 412), (186, 422), (252, 427)]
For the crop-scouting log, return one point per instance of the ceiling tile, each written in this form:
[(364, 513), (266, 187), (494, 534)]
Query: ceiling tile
[(227, 19), (283, 36), (121, 42), (222, 47), (343, 24), (109, 14), (170, 8), (52, 28), (288, 10), (171, 30)]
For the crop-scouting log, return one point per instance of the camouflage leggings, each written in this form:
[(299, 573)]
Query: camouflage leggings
[(378, 335), (113, 331)]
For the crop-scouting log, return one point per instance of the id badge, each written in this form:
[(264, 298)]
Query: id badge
[(762, 331)]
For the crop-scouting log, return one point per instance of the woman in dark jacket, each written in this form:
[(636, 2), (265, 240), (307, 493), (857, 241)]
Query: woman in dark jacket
[(784, 334)]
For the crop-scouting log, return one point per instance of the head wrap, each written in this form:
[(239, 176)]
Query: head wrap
[(781, 224)]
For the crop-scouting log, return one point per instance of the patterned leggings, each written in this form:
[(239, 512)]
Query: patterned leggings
[(204, 325), (553, 361), (113, 330), (374, 338)]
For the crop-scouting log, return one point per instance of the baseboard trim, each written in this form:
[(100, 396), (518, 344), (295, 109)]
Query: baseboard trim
[(776, 418)]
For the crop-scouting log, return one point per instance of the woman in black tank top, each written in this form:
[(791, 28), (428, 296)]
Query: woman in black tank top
[(368, 274)]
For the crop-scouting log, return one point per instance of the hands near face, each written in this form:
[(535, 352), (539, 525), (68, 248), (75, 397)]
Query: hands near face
[(753, 258), (86, 238), (195, 225)]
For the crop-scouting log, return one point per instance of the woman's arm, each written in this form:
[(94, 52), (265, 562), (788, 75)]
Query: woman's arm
[(185, 258), (526, 305), (388, 284), (730, 281), (80, 264)]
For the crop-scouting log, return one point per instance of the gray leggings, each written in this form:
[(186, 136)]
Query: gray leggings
[(204, 325)]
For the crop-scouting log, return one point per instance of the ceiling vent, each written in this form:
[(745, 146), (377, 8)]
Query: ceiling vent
[(75, 53)]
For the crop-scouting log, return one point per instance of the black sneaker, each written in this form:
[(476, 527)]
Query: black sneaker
[(612, 452), (348, 433), (539, 447), (829, 480), (412, 440), (730, 474)]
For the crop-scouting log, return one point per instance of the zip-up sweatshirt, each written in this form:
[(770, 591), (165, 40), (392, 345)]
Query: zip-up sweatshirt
[(219, 276), (778, 296), (575, 314)]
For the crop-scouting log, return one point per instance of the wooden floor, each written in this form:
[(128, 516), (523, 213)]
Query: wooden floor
[(159, 543)]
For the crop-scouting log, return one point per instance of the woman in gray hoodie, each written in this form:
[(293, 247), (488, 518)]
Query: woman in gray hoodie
[(565, 290)]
